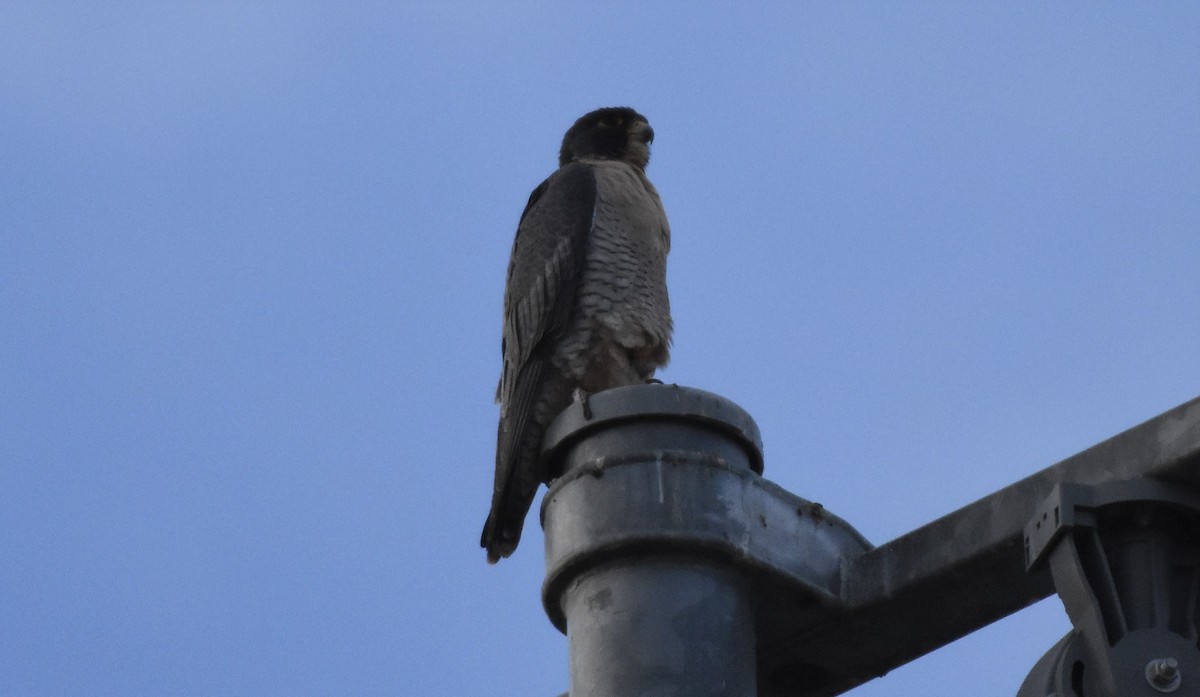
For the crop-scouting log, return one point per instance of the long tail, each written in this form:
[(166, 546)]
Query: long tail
[(538, 395)]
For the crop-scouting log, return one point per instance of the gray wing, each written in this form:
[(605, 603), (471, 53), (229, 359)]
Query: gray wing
[(543, 274), (543, 271)]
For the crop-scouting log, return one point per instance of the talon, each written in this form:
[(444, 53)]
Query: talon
[(653, 381), (582, 398)]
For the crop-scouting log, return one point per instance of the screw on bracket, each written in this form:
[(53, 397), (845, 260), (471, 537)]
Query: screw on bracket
[(1163, 674)]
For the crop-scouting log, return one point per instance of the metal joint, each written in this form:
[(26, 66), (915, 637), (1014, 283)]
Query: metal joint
[(1125, 559), (661, 538)]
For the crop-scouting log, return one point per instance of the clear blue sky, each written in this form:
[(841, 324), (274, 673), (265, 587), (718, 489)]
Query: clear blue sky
[(251, 264)]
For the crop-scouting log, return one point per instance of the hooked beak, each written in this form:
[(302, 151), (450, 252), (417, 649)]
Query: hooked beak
[(642, 132)]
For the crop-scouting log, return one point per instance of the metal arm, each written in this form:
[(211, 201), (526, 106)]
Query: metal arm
[(671, 561)]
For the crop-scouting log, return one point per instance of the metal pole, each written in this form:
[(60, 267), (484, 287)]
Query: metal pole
[(676, 569), (660, 627), (650, 606)]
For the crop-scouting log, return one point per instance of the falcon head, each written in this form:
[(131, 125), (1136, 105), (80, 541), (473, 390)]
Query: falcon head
[(612, 133)]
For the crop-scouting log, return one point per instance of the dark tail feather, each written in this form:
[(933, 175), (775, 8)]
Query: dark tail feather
[(517, 483), (497, 547), (536, 399), (514, 490)]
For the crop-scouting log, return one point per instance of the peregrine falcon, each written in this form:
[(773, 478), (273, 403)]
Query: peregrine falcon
[(585, 303)]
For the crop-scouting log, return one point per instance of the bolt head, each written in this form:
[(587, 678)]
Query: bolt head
[(1163, 674)]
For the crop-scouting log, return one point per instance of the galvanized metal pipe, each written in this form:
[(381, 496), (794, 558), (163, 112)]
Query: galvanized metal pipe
[(651, 603), (660, 627), (658, 481)]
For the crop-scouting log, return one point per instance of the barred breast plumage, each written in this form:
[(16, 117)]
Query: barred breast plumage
[(621, 328)]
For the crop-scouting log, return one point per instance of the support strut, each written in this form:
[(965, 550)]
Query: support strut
[(1125, 559)]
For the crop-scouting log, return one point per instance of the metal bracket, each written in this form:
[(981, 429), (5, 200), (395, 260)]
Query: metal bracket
[(1125, 559), (666, 551)]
